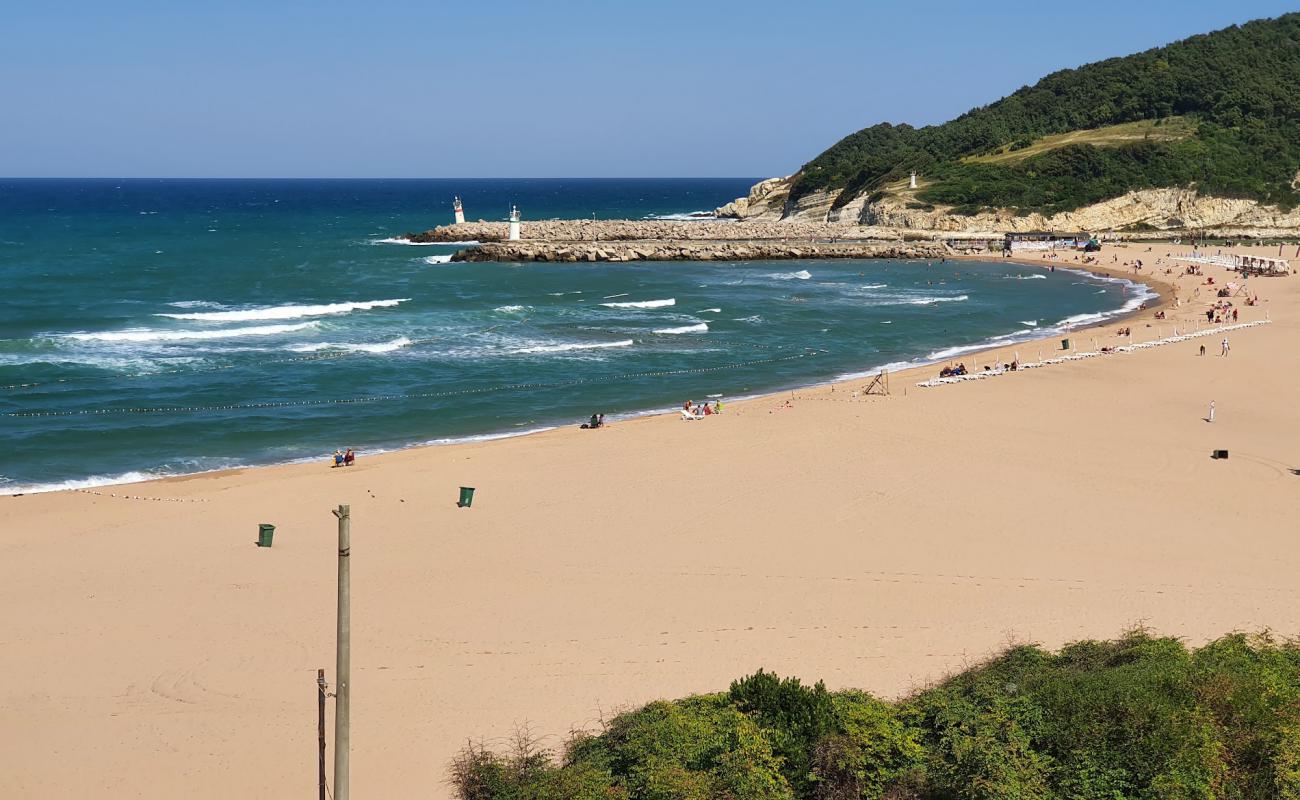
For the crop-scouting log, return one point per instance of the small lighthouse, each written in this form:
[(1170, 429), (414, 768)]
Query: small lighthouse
[(912, 183), (514, 223), (459, 210)]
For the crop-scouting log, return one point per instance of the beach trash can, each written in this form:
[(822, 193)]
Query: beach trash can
[(1065, 344), (265, 533), (466, 497)]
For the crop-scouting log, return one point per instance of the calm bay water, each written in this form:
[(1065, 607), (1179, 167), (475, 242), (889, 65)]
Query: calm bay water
[(166, 327)]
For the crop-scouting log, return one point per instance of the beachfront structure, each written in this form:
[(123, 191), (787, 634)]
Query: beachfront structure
[(458, 210), (514, 223), (1251, 265), (1045, 240), (912, 183)]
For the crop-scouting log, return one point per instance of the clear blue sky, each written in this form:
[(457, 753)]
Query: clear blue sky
[(433, 88)]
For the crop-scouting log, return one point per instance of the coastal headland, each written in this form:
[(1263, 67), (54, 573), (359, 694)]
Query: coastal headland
[(874, 541)]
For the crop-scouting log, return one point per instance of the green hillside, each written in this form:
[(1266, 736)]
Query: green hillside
[(1219, 111)]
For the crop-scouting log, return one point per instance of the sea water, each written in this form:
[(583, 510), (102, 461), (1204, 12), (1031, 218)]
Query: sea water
[(152, 328)]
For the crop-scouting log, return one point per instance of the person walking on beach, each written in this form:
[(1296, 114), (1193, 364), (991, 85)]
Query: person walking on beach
[(1210, 418), (1225, 349), (1202, 349)]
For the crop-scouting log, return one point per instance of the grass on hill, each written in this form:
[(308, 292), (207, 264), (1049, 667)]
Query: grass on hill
[(1138, 718), (1162, 130)]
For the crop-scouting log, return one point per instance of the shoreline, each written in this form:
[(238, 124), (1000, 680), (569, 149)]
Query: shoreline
[(1163, 291), (872, 542)]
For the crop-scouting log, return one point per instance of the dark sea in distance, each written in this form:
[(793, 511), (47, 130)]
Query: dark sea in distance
[(162, 327)]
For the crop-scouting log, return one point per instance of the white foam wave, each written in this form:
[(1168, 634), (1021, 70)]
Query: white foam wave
[(194, 304), (284, 312), (875, 286), (929, 301), (949, 352), (397, 240), (511, 309), (672, 301), (1026, 277), (754, 318), (79, 483), (686, 215), (381, 347), (564, 348), (437, 259), (1030, 322), (702, 327), (801, 275), (710, 311), (144, 335)]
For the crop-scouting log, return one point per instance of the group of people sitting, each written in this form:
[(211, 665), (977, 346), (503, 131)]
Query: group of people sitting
[(596, 421), (342, 459), (1126, 331), (1221, 312), (692, 410), (952, 372)]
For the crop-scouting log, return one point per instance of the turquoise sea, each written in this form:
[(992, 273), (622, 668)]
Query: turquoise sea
[(152, 327)]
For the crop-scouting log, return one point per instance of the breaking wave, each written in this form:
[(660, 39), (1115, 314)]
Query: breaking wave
[(702, 327), (284, 312), (382, 347), (445, 259), (801, 275), (180, 336), (929, 301), (564, 348), (672, 301)]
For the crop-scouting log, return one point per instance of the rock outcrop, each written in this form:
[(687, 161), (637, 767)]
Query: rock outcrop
[(766, 201), (1162, 210)]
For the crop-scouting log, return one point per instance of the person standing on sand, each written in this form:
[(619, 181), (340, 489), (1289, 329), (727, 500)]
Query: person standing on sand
[(1210, 418), (1224, 352), (1202, 349)]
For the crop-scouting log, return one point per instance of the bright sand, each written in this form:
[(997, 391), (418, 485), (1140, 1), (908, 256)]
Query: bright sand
[(148, 649)]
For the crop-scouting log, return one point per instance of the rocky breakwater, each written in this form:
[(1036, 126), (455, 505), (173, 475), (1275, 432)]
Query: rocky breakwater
[(678, 250), (627, 230)]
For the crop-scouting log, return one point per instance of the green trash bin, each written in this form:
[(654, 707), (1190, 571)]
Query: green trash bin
[(1065, 344), (265, 533), (466, 497)]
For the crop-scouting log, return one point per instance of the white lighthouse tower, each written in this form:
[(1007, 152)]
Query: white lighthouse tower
[(514, 223), (459, 210), (912, 183)]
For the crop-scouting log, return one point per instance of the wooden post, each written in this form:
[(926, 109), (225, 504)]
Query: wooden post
[(320, 728), (343, 667)]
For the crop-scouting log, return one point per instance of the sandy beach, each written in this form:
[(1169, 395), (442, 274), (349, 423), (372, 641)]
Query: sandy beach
[(149, 649)]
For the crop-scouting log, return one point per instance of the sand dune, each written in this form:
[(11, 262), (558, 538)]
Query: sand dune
[(150, 650)]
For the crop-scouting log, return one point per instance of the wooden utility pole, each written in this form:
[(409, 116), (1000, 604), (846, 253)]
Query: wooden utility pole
[(342, 668), (320, 728)]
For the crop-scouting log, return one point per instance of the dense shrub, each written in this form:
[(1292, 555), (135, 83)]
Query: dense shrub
[(1138, 718)]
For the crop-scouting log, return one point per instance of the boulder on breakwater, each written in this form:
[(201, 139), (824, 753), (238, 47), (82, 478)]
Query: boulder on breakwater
[(695, 251)]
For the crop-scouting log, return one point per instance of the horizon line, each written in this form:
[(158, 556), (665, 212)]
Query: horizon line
[(373, 178)]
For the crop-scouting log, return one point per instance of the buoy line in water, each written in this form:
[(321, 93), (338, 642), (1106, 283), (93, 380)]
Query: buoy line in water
[(412, 396)]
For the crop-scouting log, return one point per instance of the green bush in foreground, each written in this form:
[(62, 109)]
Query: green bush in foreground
[(1140, 717)]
